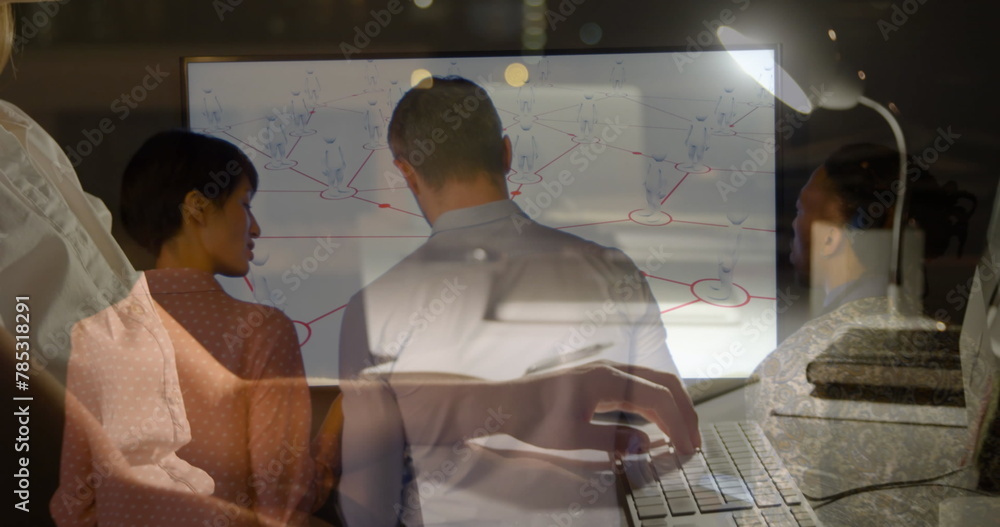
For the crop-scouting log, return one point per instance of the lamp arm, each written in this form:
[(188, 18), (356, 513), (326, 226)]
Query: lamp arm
[(895, 278)]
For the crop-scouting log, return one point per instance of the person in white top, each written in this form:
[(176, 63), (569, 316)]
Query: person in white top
[(95, 330)]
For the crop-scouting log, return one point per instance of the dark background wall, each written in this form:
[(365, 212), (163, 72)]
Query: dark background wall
[(935, 65)]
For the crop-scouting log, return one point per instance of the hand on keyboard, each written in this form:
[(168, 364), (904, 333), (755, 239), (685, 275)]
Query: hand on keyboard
[(565, 401)]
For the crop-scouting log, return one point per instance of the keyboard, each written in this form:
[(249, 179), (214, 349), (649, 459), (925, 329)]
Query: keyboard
[(736, 480)]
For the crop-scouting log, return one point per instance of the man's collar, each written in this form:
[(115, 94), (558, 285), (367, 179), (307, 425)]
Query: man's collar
[(477, 215)]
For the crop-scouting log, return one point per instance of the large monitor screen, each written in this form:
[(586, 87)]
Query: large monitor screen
[(668, 156)]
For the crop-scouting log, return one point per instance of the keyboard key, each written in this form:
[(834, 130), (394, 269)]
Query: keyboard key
[(735, 480), (640, 475), (748, 518), (651, 511), (768, 500), (704, 489), (665, 465), (746, 515), (693, 461), (695, 472), (799, 512), (730, 506), (681, 506), (779, 518), (790, 497), (730, 483), (714, 520), (650, 500), (679, 493), (647, 491), (802, 515), (708, 502)]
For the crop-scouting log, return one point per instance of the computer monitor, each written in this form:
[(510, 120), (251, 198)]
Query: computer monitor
[(670, 155)]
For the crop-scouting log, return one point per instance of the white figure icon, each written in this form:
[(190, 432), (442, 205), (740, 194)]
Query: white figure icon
[(371, 75), (729, 254), (766, 81), (656, 183), (586, 116), (618, 77), (300, 117), (395, 93), (453, 69), (312, 88), (696, 143), (213, 112), (526, 97), (724, 109), (375, 120), (544, 70), (277, 145), (334, 168), (525, 153)]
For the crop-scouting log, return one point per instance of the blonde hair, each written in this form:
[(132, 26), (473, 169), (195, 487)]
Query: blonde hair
[(6, 33)]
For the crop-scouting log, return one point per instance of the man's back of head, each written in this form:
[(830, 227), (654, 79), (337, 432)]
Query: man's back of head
[(448, 129)]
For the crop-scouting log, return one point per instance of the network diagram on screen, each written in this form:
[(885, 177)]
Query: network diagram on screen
[(671, 161)]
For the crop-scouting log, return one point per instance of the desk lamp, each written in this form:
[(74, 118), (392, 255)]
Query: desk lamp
[(837, 91), (927, 345)]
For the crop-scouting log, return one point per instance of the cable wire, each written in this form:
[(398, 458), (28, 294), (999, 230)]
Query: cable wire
[(893, 485)]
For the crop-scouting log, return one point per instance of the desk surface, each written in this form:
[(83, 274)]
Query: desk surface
[(828, 456)]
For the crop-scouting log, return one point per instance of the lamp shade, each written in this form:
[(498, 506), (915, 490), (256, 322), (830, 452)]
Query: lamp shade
[(833, 86)]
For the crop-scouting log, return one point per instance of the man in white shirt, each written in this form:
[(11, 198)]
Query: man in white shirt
[(484, 321), (492, 294)]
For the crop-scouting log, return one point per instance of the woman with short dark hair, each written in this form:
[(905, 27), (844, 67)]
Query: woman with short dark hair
[(186, 197)]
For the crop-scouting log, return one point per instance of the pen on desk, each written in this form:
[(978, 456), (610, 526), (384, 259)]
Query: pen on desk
[(566, 358)]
